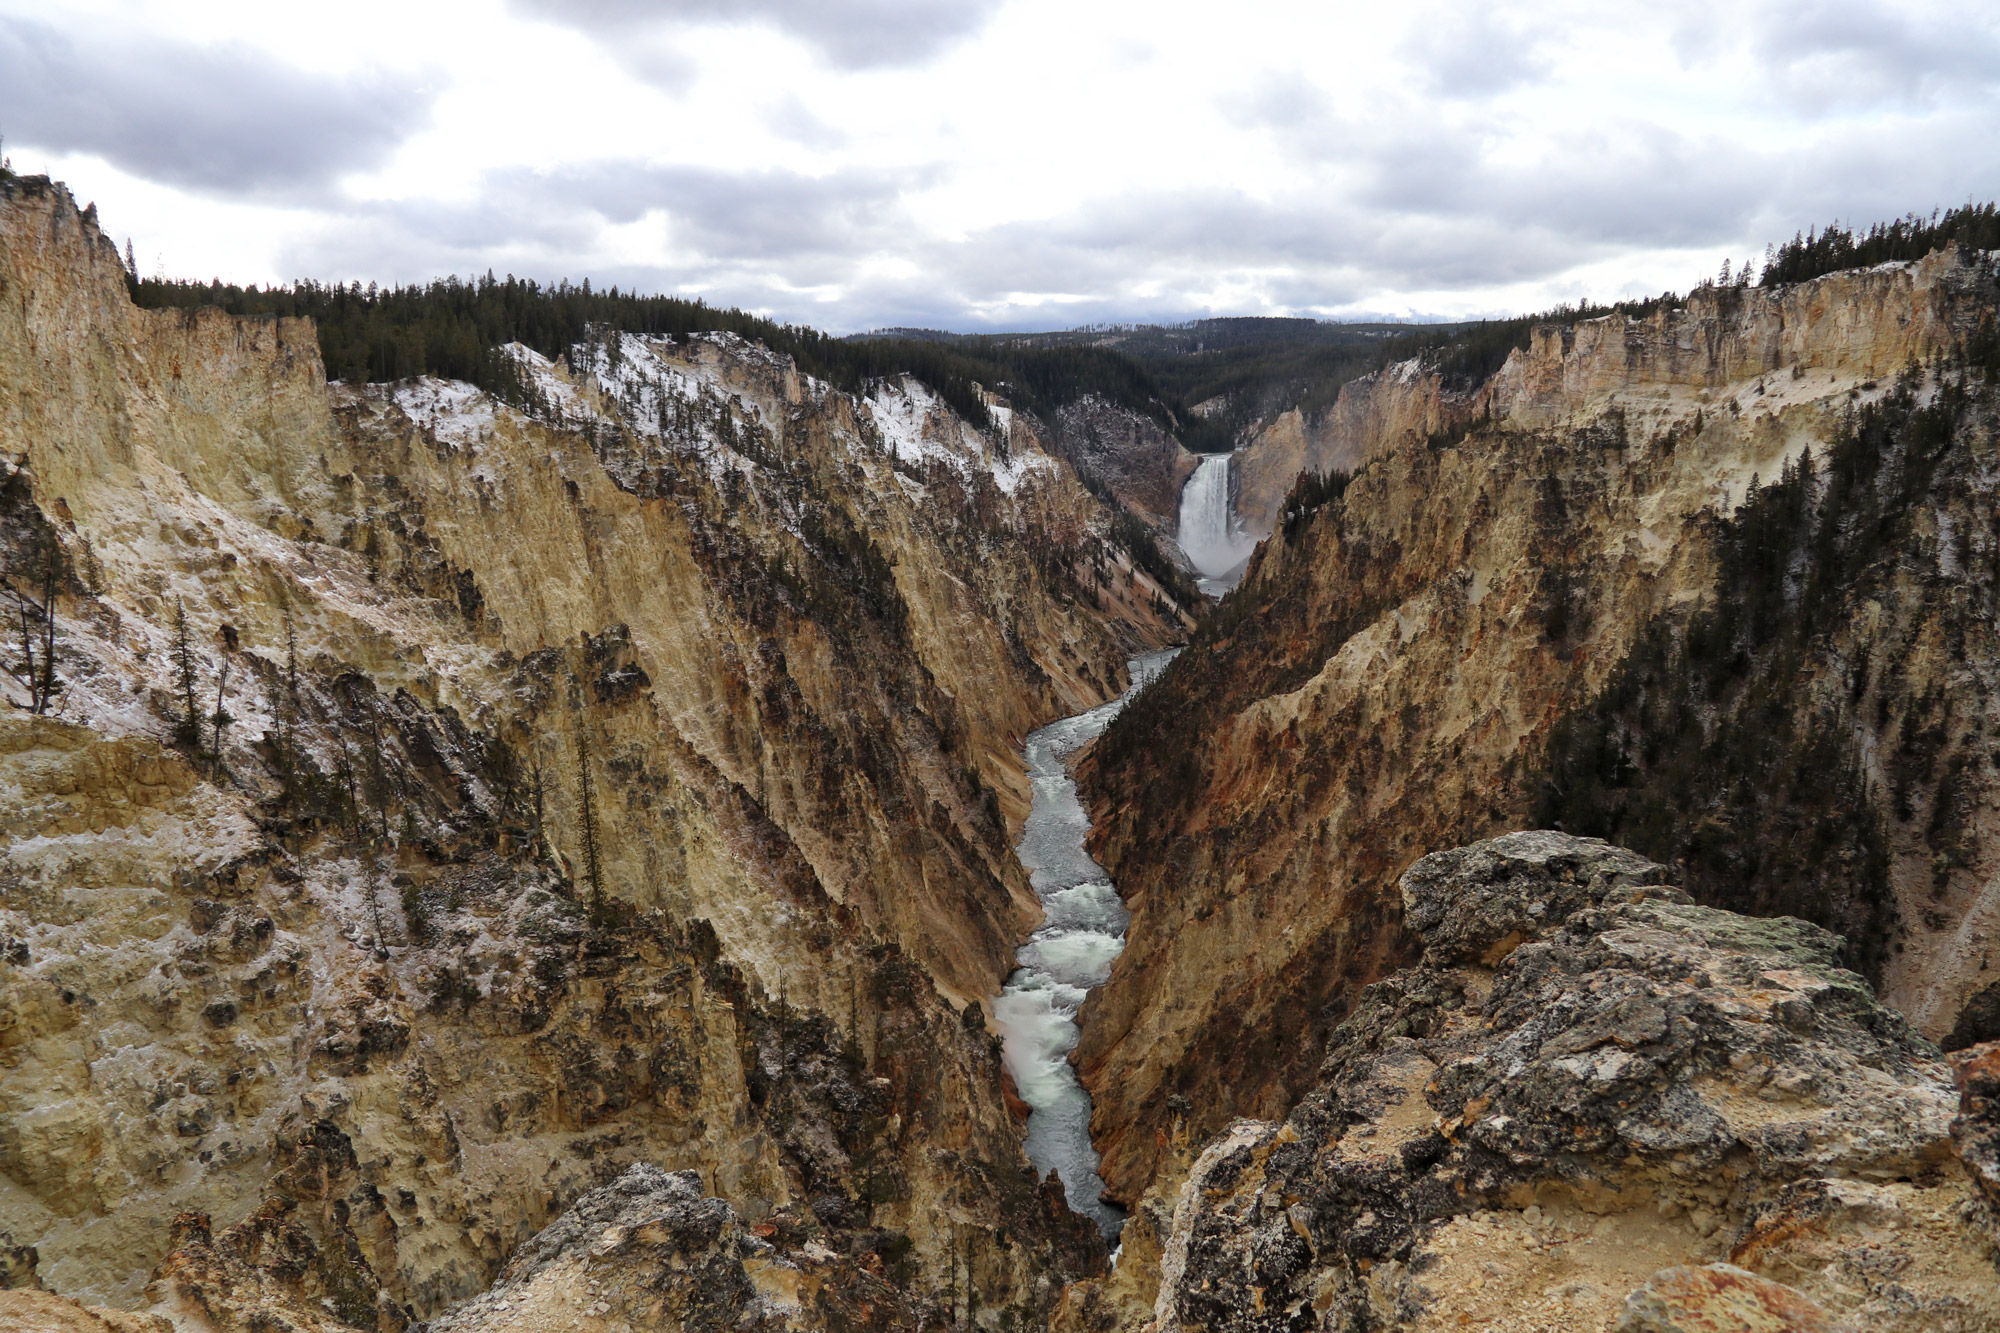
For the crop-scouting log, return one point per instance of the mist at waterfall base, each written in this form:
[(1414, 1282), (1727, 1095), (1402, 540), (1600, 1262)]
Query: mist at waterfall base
[(1208, 531), (1082, 932)]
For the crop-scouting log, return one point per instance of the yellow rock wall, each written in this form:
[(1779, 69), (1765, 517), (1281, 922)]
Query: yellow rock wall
[(352, 941)]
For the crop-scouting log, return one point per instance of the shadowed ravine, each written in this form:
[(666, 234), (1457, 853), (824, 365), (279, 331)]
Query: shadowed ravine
[(1083, 930)]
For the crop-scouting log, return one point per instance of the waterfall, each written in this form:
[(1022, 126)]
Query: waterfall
[(1208, 529)]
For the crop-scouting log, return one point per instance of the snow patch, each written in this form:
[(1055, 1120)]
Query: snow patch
[(918, 427), (455, 413)]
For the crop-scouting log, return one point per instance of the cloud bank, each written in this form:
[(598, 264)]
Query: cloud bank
[(1023, 163), (227, 120)]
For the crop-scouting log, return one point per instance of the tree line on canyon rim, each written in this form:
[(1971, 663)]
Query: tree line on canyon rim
[(1241, 370)]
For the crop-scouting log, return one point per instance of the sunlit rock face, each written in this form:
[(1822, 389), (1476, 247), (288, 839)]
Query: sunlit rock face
[(1400, 403), (1392, 673), (358, 945)]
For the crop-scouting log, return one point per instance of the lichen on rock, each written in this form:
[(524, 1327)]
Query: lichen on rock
[(1585, 1080)]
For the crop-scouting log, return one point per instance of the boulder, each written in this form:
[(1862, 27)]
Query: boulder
[(1585, 1081)]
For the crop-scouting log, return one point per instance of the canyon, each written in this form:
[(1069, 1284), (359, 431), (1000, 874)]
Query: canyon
[(637, 849), (450, 803), (1411, 643)]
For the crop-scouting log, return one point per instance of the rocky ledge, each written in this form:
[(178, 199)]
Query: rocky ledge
[(1593, 1104), (649, 1251)]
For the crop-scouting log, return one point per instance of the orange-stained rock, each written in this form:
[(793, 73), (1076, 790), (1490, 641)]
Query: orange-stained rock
[(46, 1312), (1718, 1298), (1976, 1131)]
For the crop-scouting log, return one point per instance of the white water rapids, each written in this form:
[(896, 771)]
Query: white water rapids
[(1070, 955), (1208, 531)]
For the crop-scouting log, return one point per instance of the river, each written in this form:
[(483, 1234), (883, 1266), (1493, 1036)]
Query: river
[(1083, 930)]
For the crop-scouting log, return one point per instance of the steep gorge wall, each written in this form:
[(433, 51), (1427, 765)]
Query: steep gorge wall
[(1388, 677), (1139, 462), (347, 946), (1402, 403), (1837, 325)]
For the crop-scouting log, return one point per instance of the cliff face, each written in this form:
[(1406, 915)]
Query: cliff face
[(1142, 465), (1403, 403), (1835, 324), (1389, 676), (448, 803)]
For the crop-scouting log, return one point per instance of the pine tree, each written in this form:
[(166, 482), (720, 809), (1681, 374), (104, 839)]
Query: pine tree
[(782, 1009), (52, 569), (971, 1289), (378, 776), (37, 670), (288, 713), (347, 785), (292, 667), (187, 728), (586, 821), (854, 1013), (536, 840), (951, 1264), (221, 717)]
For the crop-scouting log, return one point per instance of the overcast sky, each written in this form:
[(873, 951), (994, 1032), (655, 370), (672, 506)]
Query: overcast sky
[(1003, 163)]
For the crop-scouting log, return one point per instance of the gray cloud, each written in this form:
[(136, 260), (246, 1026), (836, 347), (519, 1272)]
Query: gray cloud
[(1815, 56), (1380, 226), (1832, 54), (751, 232), (793, 120), (852, 34), (1438, 185), (748, 215), (1477, 53), (220, 119)]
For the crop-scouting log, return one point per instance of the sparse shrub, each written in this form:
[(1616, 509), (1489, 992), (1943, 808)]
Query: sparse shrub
[(417, 915)]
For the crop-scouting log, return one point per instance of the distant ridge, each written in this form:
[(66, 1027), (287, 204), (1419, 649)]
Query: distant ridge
[(1185, 338)]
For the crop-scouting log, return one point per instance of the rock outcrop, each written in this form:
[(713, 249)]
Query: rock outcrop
[(649, 1250), (1592, 1101), (1134, 458), (449, 802), (1393, 672), (1976, 1131), (1402, 404), (44, 1312)]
